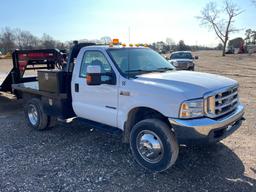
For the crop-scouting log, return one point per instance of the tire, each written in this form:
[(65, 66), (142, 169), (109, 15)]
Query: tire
[(149, 131), (35, 116)]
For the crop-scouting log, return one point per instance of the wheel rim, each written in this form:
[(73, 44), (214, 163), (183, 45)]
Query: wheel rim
[(149, 146), (32, 114)]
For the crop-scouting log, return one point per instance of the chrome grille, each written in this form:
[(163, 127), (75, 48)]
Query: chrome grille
[(222, 102), (183, 64)]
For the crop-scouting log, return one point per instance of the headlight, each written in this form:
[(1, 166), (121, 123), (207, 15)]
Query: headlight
[(192, 108), (175, 63), (191, 64)]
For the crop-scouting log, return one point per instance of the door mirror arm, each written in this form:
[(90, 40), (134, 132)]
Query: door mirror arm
[(111, 76)]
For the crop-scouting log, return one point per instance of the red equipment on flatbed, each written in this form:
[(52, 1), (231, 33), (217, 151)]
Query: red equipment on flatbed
[(24, 60)]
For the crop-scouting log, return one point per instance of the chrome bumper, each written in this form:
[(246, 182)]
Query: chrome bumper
[(203, 126)]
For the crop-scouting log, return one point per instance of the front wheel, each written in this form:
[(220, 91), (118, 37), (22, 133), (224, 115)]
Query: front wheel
[(154, 145)]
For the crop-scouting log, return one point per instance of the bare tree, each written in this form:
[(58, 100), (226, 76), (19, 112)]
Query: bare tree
[(106, 39), (221, 21), (253, 37), (7, 40), (25, 40), (248, 34), (170, 42), (47, 42)]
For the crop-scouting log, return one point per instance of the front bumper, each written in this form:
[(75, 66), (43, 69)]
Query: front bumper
[(188, 67), (207, 129)]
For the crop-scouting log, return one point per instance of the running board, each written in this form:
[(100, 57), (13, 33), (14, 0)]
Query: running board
[(101, 127)]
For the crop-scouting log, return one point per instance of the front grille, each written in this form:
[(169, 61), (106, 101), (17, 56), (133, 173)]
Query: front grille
[(222, 102), (183, 64)]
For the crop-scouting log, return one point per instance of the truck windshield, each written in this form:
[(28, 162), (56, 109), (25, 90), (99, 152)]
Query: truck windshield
[(181, 55), (135, 61)]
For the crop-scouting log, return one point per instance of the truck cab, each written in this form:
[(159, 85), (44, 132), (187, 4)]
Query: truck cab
[(137, 91)]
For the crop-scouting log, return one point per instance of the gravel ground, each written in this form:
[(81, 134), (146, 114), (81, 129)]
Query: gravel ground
[(72, 157)]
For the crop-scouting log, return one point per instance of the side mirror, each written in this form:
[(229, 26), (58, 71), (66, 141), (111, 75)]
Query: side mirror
[(93, 75), (196, 57)]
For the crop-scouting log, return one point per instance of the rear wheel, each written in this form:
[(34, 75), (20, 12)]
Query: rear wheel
[(35, 116), (154, 145)]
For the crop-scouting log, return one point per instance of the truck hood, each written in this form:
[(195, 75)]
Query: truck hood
[(191, 84), (182, 60)]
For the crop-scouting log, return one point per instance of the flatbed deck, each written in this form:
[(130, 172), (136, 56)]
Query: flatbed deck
[(33, 88)]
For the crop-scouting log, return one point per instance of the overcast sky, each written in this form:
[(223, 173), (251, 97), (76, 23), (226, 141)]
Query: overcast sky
[(149, 20)]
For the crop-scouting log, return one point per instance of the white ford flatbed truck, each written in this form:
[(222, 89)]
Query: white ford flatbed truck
[(136, 91)]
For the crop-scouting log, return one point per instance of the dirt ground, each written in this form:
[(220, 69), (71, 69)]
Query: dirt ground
[(72, 157)]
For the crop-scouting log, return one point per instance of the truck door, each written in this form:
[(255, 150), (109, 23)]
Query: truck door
[(94, 102)]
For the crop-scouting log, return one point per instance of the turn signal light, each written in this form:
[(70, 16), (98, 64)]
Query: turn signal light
[(88, 78)]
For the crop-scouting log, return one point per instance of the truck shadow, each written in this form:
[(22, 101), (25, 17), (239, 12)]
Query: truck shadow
[(211, 168), (8, 104)]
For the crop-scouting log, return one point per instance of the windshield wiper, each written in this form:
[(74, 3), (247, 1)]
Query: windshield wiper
[(139, 71), (163, 69)]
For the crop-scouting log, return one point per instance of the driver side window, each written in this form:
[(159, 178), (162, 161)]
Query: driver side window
[(94, 58)]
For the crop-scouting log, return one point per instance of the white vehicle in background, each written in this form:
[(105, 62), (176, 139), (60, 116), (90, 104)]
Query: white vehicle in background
[(134, 91), (183, 60)]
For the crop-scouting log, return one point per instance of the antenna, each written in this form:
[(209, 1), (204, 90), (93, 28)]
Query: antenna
[(129, 34), (129, 40)]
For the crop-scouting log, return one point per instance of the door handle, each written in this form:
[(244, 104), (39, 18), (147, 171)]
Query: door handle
[(76, 87), (125, 93)]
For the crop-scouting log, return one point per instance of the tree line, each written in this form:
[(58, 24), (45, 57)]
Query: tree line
[(239, 42), (250, 36), (170, 46), (11, 39)]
